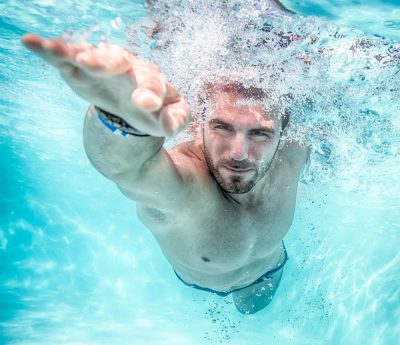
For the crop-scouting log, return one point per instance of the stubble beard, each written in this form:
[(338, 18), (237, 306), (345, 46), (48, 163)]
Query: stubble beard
[(236, 184)]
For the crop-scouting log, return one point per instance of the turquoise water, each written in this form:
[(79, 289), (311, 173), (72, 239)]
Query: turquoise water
[(380, 17), (78, 267)]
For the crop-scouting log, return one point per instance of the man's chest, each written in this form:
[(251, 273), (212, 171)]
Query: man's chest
[(220, 234), (243, 226)]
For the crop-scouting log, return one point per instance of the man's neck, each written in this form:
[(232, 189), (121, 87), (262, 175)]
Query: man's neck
[(252, 198)]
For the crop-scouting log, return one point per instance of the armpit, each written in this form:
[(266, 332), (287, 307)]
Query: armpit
[(151, 214)]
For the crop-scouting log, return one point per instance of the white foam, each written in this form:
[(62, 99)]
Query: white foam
[(339, 95)]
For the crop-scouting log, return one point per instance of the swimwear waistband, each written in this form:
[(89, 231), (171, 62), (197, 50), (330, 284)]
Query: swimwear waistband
[(262, 278)]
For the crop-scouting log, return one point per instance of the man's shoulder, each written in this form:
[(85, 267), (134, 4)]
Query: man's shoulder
[(278, 5), (191, 149), (190, 152), (178, 177), (188, 158), (295, 152)]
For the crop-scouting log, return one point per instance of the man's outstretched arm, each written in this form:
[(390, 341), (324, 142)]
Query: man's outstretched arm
[(142, 169), (117, 82)]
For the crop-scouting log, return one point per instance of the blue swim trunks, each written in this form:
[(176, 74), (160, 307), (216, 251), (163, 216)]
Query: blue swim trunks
[(265, 276)]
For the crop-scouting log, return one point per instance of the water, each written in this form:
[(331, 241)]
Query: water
[(77, 266), (379, 17)]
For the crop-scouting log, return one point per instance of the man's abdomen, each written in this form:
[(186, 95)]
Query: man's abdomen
[(222, 272)]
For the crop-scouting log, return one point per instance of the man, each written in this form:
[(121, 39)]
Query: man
[(220, 205)]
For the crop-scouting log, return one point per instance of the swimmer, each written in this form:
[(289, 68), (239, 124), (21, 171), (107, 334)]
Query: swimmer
[(219, 205)]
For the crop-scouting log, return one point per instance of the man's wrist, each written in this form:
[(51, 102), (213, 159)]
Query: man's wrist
[(117, 125)]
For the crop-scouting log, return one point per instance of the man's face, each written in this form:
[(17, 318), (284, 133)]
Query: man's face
[(240, 141)]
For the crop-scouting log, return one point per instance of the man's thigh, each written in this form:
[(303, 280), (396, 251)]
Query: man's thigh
[(257, 296)]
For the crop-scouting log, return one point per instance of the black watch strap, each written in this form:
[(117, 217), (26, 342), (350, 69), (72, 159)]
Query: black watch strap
[(118, 125)]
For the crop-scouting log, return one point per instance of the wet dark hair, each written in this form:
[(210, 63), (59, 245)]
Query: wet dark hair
[(251, 92)]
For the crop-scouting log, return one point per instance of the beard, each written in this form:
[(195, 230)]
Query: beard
[(236, 184)]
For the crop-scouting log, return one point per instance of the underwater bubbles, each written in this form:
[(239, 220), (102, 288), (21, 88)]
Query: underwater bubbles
[(343, 85)]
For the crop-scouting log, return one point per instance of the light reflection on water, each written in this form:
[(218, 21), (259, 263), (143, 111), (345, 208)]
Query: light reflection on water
[(77, 267), (341, 273)]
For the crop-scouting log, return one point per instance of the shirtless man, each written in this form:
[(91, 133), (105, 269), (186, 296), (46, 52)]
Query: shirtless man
[(220, 205)]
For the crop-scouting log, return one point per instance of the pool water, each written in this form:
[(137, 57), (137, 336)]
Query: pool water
[(78, 267), (380, 17)]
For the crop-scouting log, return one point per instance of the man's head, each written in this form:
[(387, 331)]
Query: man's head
[(240, 136)]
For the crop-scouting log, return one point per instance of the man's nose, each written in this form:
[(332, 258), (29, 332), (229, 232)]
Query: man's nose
[(240, 148)]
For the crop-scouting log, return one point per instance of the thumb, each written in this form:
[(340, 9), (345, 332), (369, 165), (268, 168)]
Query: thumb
[(175, 117)]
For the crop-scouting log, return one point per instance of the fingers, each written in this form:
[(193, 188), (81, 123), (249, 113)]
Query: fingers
[(151, 86), (42, 47), (172, 95), (175, 117), (82, 63), (32, 42), (103, 61), (106, 60), (56, 52)]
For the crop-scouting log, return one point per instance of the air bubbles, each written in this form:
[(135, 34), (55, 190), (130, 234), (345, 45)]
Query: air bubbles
[(339, 87), (116, 23), (96, 33), (103, 39), (68, 35), (392, 24), (95, 28)]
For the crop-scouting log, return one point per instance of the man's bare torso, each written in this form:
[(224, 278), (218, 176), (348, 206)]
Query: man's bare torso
[(214, 242)]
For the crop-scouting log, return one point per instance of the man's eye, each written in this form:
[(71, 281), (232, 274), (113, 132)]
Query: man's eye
[(222, 127), (261, 134)]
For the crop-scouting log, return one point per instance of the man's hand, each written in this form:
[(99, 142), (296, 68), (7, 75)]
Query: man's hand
[(113, 79)]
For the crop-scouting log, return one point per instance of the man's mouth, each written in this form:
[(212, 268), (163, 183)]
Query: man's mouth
[(237, 170)]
